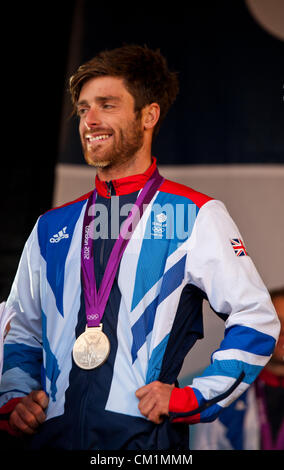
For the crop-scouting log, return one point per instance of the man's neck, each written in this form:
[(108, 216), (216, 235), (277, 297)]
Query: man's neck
[(135, 166)]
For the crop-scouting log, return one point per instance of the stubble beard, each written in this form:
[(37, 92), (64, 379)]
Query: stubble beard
[(126, 144)]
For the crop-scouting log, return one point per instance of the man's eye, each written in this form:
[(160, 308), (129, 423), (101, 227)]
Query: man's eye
[(108, 106), (81, 111)]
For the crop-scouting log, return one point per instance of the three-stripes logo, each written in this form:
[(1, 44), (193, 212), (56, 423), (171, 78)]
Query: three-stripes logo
[(57, 237)]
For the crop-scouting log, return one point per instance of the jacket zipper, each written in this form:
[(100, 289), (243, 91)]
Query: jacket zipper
[(85, 398)]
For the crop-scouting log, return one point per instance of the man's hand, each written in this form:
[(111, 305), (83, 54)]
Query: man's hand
[(28, 414), (154, 400)]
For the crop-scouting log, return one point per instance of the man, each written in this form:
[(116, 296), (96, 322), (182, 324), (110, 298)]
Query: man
[(255, 421), (106, 317)]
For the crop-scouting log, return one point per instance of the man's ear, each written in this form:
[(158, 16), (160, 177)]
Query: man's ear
[(151, 115)]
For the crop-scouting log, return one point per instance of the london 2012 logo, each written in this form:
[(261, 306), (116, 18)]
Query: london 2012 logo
[(159, 225)]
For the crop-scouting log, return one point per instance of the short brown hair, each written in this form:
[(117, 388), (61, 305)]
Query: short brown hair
[(144, 71)]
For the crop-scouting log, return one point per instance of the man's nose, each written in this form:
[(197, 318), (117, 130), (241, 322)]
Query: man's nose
[(92, 118)]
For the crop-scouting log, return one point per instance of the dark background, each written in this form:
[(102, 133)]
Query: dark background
[(230, 109)]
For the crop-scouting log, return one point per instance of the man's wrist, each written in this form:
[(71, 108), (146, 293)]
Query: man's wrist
[(183, 400), (5, 412)]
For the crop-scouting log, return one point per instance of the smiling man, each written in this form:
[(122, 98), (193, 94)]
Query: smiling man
[(115, 138), (103, 323)]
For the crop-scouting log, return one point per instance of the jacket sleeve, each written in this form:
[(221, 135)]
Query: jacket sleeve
[(224, 271), (23, 344)]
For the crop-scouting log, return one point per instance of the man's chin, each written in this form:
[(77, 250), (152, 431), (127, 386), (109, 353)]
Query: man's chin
[(97, 163)]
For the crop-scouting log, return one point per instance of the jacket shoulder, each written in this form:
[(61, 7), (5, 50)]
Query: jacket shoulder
[(178, 189), (80, 199), (59, 222)]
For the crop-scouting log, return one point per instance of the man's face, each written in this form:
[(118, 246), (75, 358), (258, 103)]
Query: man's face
[(110, 132)]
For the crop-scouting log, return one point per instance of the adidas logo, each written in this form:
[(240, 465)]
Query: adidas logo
[(59, 236)]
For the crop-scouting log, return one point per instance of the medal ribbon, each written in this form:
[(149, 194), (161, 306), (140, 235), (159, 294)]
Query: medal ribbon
[(95, 301)]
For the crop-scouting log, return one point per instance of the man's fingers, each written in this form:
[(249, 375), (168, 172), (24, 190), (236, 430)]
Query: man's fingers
[(146, 404), (35, 404), (154, 400), (147, 399), (29, 412), (142, 391), (37, 413), (18, 423), (155, 416), (150, 410), (40, 397)]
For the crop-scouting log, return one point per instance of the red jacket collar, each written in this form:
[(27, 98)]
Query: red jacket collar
[(126, 185)]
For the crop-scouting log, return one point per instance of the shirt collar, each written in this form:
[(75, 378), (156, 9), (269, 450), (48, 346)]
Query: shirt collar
[(126, 185)]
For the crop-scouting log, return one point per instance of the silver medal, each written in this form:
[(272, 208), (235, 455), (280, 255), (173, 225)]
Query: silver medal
[(91, 348)]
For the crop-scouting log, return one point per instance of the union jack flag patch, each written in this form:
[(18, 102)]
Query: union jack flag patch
[(239, 247)]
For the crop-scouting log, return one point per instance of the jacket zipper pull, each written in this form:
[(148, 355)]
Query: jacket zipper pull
[(109, 188)]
